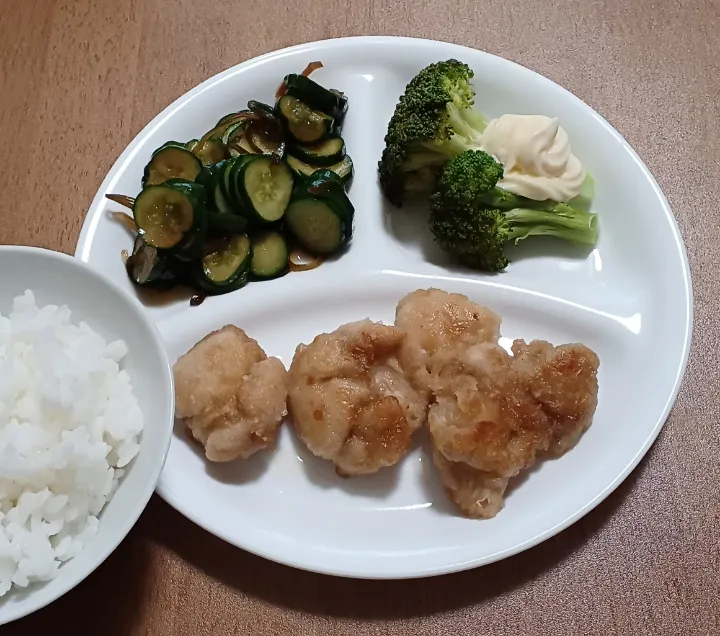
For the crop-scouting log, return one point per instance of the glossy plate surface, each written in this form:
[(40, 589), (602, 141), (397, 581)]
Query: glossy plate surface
[(629, 299)]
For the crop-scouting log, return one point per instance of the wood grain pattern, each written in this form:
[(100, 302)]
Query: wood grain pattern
[(81, 77)]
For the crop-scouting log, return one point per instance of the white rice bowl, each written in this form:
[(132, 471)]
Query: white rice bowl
[(69, 427)]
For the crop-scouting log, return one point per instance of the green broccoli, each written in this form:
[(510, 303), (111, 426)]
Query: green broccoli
[(433, 121), (472, 218)]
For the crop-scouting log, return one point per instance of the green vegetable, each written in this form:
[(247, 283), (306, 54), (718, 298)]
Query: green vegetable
[(320, 214), (472, 219), (343, 168), (433, 121), (330, 102), (170, 161), (168, 215), (263, 187), (222, 222), (306, 125), (225, 266), (587, 193), (270, 255), (325, 153), (210, 151), (212, 211)]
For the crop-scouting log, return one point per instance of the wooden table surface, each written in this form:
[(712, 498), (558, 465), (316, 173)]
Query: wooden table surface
[(80, 78)]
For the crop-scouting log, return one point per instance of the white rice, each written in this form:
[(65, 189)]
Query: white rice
[(69, 423)]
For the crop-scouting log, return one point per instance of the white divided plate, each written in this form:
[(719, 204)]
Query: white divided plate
[(629, 299)]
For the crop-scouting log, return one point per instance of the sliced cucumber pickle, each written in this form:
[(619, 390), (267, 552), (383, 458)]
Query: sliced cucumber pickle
[(270, 255), (319, 225), (171, 162), (318, 97), (265, 187), (225, 267), (210, 151), (343, 168), (305, 124), (164, 214), (221, 222), (324, 153)]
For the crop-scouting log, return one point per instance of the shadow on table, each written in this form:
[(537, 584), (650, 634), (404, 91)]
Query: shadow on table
[(109, 602), (120, 591), (329, 596)]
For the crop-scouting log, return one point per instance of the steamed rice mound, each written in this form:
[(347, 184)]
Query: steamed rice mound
[(69, 424)]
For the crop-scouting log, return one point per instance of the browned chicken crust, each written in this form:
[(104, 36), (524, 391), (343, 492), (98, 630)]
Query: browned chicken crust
[(493, 414), (350, 401), (230, 395), (438, 324)]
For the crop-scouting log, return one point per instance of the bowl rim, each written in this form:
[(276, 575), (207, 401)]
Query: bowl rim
[(142, 495)]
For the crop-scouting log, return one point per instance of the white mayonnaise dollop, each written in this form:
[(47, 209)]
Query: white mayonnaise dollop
[(536, 155)]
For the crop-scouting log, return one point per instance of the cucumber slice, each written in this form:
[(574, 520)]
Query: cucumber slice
[(300, 168), (167, 215), (263, 187), (305, 124), (320, 177), (231, 180), (169, 162), (343, 168), (227, 218), (331, 102), (221, 202), (221, 222), (319, 224), (170, 144), (210, 151), (270, 255), (325, 153), (225, 267)]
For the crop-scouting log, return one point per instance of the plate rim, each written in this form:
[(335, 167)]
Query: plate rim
[(93, 216)]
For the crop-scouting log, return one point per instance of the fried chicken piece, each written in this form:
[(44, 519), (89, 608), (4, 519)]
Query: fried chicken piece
[(483, 416), (477, 493), (230, 395), (350, 401), (438, 324), (563, 380), (495, 413)]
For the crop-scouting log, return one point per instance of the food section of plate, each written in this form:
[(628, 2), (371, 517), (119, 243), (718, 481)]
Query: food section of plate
[(265, 192), (262, 193)]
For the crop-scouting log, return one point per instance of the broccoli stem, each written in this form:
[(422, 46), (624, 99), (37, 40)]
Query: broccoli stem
[(561, 220), (467, 122)]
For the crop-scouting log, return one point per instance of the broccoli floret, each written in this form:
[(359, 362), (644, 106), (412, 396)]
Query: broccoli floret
[(433, 120), (472, 218)]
